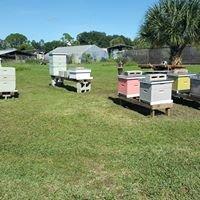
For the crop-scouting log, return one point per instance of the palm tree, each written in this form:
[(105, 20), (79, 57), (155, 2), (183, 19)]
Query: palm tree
[(173, 23)]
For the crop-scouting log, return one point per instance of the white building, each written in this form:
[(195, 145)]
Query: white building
[(77, 52)]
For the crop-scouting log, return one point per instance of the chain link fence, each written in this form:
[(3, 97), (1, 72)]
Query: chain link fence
[(191, 55)]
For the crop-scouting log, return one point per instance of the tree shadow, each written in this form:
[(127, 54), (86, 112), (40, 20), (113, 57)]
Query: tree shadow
[(134, 107)]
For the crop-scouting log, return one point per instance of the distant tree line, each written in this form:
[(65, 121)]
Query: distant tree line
[(101, 39)]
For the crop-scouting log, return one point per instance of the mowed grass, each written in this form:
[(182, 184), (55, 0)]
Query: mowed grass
[(56, 144)]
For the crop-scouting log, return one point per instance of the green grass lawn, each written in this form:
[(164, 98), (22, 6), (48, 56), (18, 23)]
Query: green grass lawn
[(56, 144)]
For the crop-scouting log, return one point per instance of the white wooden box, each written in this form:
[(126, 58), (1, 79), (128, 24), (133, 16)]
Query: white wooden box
[(57, 62), (79, 74), (155, 93), (7, 79), (54, 71)]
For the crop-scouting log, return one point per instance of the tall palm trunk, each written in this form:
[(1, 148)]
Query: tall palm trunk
[(175, 54)]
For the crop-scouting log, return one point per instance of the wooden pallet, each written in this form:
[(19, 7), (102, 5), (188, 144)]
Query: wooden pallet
[(6, 95), (136, 101)]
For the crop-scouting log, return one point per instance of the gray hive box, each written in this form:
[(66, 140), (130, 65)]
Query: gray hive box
[(7, 79), (57, 63), (195, 86), (155, 89)]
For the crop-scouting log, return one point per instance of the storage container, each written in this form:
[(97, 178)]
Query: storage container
[(195, 86), (155, 90), (181, 82), (79, 74), (7, 79), (57, 62), (129, 86)]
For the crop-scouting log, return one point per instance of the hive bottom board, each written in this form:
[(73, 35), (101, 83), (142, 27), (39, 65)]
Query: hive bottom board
[(167, 107)]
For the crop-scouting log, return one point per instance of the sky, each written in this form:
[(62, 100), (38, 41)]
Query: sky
[(49, 19)]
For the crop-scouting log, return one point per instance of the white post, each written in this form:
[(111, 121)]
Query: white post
[(0, 62)]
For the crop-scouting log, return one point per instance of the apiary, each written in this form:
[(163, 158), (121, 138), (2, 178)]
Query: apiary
[(129, 86), (57, 62), (79, 74), (7, 79), (155, 89), (181, 82), (195, 86)]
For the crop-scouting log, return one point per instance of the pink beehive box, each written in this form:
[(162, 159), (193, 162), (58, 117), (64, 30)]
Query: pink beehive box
[(129, 86)]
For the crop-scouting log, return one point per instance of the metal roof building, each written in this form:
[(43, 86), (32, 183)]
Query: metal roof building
[(78, 51), (15, 54)]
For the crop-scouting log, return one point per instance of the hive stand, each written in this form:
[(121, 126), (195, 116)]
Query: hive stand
[(6, 95), (136, 101), (81, 86)]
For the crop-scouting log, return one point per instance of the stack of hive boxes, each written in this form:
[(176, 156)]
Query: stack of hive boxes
[(57, 63), (155, 89), (7, 79), (129, 84)]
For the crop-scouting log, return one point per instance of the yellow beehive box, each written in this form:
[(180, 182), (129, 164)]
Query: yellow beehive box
[(181, 82)]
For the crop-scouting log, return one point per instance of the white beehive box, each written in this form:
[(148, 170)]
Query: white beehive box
[(7, 79), (79, 74), (158, 91), (57, 62)]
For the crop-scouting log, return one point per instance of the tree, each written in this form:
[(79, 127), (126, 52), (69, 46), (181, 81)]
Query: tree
[(67, 39), (141, 43), (174, 23), (3, 44), (39, 46), (49, 46), (89, 38), (86, 58), (16, 40), (116, 41)]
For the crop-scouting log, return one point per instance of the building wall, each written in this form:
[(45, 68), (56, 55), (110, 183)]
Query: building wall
[(97, 53)]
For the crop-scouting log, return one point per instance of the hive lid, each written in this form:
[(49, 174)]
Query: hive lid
[(79, 69), (157, 82), (178, 75), (131, 77), (133, 72)]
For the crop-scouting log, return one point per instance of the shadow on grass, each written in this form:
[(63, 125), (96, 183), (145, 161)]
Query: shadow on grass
[(133, 107), (66, 87), (188, 103)]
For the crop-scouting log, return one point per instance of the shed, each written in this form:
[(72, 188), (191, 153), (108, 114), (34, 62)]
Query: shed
[(78, 51), (14, 54)]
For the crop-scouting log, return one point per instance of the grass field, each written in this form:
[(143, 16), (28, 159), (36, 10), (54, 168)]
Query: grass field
[(56, 144)]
